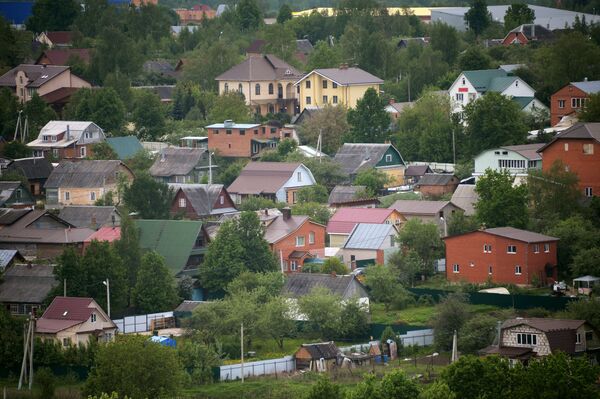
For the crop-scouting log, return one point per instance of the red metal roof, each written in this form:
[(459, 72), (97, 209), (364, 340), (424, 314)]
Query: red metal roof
[(109, 234), (68, 308), (344, 220)]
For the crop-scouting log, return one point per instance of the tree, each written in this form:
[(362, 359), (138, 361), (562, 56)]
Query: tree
[(319, 213), (257, 255), (16, 150), (316, 193), (208, 61), (331, 122), (136, 368), (575, 234), (459, 223), (101, 105), (280, 40), (477, 333), (248, 15), (52, 15), (518, 14), (324, 56), (8, 45), (444, 38), (128, 249), (382, 284), (334, 265), (424, 239), (199, 360), (591, 111), (103, 151), (474, 58), (437, 390), (284, 14), (396, 385), (8, 113), (141, 162), (451, 314), (480, 377), (501, 203), (11, 345), (369, 120), (373, 180), (38, 113), (326, 172), (256, 204), (354, 320), (274, 320), (149, 198), (323, 312), (585, 309), (286, 146), (407, 265), (155, 289), (478, 18), (230, 106), (585, 262), (325, 389), (148, 115), (116, 52)]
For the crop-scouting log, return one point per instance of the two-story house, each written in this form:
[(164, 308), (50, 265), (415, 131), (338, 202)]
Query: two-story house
[(503, 255), (344, 85), (526, 33), (344, 220), (436, 212), (369, 244), (201, 201), (24, 80), (522, 339), (67, 139), (266, 81), (356, 157), (181, 165), (571, 99), (516, 159), (279, 181), (242, 140), (578, 148), (84, 182)]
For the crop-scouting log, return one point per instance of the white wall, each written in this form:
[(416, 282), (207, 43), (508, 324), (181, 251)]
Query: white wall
[(306, 179)]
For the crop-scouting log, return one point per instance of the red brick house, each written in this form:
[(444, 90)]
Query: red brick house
[(578, 148), (201, 201), (437, 184), (293, 239), (571, 99), (526, 33), (241, 140), (503, 255)]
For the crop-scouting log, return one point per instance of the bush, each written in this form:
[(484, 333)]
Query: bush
[(45, 379)]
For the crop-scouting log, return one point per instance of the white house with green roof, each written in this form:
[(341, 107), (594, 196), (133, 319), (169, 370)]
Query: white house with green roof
[(471, 85)]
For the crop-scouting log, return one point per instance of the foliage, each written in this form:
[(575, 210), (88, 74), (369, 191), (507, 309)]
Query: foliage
[(52, 15), (198, 360), (274, 320), (11, 345), (382, 284), (476, 377), (116, 52), (444, 38), (478, 18), (325, 389), (149, 198), (140, 163), (326, 172), (437, 390), (248, 15), (585, 262), (424, 239), (230, 106), (324, 56), (369, 120), (128, 249), (256, 204), (319, 213), (148, 115), (407, 265), (373, 179), (230, 173), (451, 315), (155, 289), (477, 333), (584, 309), (284, 14), (575, 235), (134, 367), (209, 60), (459, 223), (334, 265), (518, 14), (331, 122), (8, 112), (474, 58), (45, 379), (396, 385), (500, 203), (38, 113), (286, 146), (316, 193), (103, 151), (15, 175), (102, 105), (591, 112)]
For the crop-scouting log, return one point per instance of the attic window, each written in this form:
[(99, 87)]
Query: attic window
[(463, 80), (516, 83), (288, 72)]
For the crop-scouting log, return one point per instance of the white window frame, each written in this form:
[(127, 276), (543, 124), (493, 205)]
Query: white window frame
[(588, 149), (293, 265), (546, 247), (511, 249), (311, 237), (300, 241), (561, 104), (456, 268), (93, 318), (67, 196), (299, 176), (518, 270), (460, 97), (527, 339), (388, 157), (182, 203), (92, 196), (221, 199), (82, 152), (487, 248), (566, 146), (589, 192), (536, 248), (334, 100)]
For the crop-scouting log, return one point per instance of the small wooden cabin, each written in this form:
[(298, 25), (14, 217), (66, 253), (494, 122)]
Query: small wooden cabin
[(316, 357)]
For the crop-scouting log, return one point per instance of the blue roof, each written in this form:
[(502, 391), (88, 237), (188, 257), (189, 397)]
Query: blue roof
[(369, 236), (125, 147), (16, 12)]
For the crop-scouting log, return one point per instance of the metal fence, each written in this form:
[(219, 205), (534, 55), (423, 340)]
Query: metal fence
[(140, 323), (230, 372)]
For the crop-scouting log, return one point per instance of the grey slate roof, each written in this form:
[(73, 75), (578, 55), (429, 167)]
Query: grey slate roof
[(38, 74), (304, 46), (202, 197), (264, 68), (8, 215), (415, 207), (358, 156), (175, 161), (347, 76), (520, 235), (263, 177), (528, 151), (341, 194), (7, 189), (577, 131), (83, 174), (325, 350), (369, 236), (32, 168), (465, 197), (436, 179), (417, 170), (590, 87), (27, 284), (300, 284), (82, 216)]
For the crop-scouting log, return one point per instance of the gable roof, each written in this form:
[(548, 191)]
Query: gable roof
[(60, 37), (321, 350), (176, 161), (202, 197), (27, 283), (489, 79), (344, 219), (280, 227), (561, 333), (588, 86), (75, 130), (417, 170), (64, 312), (346, 76), (416, 207), (82, 215), (357, 156), (264, 68), (300, 284), (7, 255), (533, 31), (7, 189), (369, 236), (174, 240), (585, 131), (465, 198), (263, 177), (9, 215), (529, 151), (341, 194), (61, 56), (436, 179), (38, 75), (83, 174), (125, 146), (32, 168), (24, 230)]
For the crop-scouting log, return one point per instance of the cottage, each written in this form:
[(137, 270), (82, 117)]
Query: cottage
[(64, 56), (74, 321), (522, 339), (85, 182), (318, 357), (395, 109), (24, 288), (526, 33), (437, 184), (465, 198), (502, 255), (351, 197), (90, 216), (59, 38), (125, 146), (369, 244), (35, 170), (436, 212), (344, 220), (67, 139), (242, 140), (357, 157), (516, 159), (14, 195), (201, 201), (181, 165), (414, 173), (578, 148), (279, 181), (346, 287), (571, 99)]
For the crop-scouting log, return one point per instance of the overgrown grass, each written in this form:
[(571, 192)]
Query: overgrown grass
[(418, 315), (388, 200)]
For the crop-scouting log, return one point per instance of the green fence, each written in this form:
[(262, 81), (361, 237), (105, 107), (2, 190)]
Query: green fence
[(516, 301), (400, 329)]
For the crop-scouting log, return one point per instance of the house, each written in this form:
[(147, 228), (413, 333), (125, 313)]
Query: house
[(8, 257), (177, 29), (293, 239), (356, 157), (502, 255), (67, 139), (159, 70), (24, 80), (125, 146), (74, 321), (35, 169), (516, 159), (266, 81), (93, 217), (436, 212), (414, 173), (351, 196), (279, 181), (526, 33), (465, 198), (16, 12), (194, 142), (41, 234), (64, 56), (317, 357), (241, 140), (522, 339), (369, 244), (395, 109), (571, 99), (14, 195), (578, 148), (182, 243), (344, 86), (346, 287), (471, 85), (84, 182), (305, 115), (24, 288), (103, 234), (406, 41), (59, 38), (437, 184), (194, 15), (201, 201), (344, 220), (303, 49), (181, 165)]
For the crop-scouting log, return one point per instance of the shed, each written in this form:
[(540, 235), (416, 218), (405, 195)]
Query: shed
[(316, 357), (585, 284)]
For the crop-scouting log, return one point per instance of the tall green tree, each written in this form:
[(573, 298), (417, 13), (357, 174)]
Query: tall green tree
[(591, 112), (52, 15), (518, 14), (155, 289), (424, 239), (115, 52), (102, 105), (38, 113), (249, 16), (478, 18), (500, 202), (480, 377), (575, 235), (444, 38), (149, 198), (128, 249), (8, 45), (451, 314), (331, 122), (230, 106), (9, 108), (374, 181), (474, 58), (323, 311), (369, 121), (284, 14), (209, 60), (324, 56), (148, 116)]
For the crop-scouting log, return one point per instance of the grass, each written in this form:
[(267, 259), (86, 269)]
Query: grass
[(418, 315), (388, 200)]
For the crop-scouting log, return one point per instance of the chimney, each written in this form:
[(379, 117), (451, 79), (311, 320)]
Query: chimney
[(333, 274), (585, 79), (93, 221), (286, 213)]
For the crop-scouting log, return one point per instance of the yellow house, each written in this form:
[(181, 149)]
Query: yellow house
[(344, 85)]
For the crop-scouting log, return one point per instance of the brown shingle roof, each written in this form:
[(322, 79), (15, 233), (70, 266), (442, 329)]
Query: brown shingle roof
[(61, 56), (436, 179), (325, 350), (265, 68), (529, 151), (64, 312), (560, 332), (38, 75), (519, 235), (263, 177), (415, 207), (27, 283), (280, 227)]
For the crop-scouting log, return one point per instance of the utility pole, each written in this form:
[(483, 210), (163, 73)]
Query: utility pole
[(210, 154), (65, 287), (453, 148), (107, 284), (242, 349), (27, 375)]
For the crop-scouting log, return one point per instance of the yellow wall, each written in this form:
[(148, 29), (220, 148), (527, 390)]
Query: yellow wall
[(337, 240), (395, 175), (346, 95)]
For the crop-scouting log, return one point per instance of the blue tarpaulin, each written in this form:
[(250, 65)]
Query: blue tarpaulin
[(165, 341)]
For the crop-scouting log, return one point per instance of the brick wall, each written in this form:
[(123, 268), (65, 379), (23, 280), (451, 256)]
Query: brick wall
[(236, 144), (565, 94), (288, 244), (509, 338)]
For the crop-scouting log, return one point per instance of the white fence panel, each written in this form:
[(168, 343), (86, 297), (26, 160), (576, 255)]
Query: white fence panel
[(139, 323), (262, 367)]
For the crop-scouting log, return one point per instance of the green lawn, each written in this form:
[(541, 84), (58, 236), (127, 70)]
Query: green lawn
[(419, 315)]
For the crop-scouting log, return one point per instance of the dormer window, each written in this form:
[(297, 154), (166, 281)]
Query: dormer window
[(93, 318), (46, 137), (463, 81)]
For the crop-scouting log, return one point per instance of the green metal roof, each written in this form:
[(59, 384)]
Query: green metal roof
[(482, 80), (125, 147), (523, 101), (173, 239), (500, 84)]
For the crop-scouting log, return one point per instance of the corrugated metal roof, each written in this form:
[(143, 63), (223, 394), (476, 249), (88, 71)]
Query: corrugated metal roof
[(83, 174), (125, 147), (300, 284), (344, 219), (481, 79), (529, 151), (357, 156), (369, 236), (176, 161), (109, 234), (7, 255), (590, 87), (32, 168), (27, 283), (280, 227)]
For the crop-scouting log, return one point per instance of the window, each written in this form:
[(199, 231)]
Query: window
[(546, 248), (578, 338), (55, 152), (255, 131), (228, 131), (307, 85), (589, 335), (536, 248), (487, 248), (67, 196), (518, 270), (294, 198), (311, 237), (270, 88), (526, 339), (215, 131), (455, 268), (463, 81), (242, 132), (335, 99), (577, 102), (325, 99), (308, 100), (221, 200), (300, 241), (226, 88), (66, 342), (392, 242), (257, 89), (588, 149), (490, 270), (240, 88), (273, 130), (511, 249), (561, 103), (334, 85), (92, 196), (516, 83), (589, 192), (459, 97), (388, 157), (324, 84), (82, 152), (182, 203), (294, 265), (566, 146), (93, 318)]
